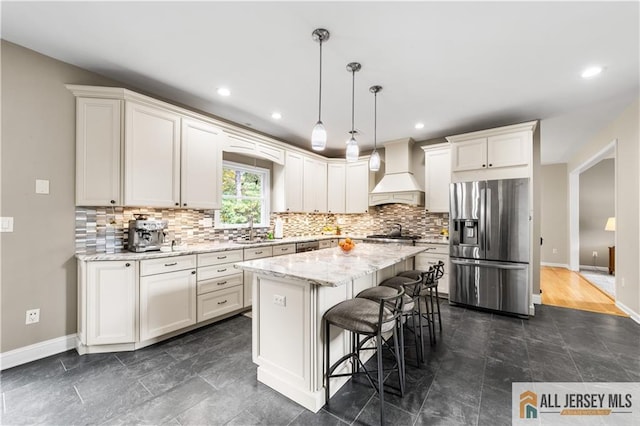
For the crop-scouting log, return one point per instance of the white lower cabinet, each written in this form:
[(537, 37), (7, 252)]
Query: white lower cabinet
[(168, 299), (436, 253), (220, 284), (111, 304), (250, 254), (328, 243)]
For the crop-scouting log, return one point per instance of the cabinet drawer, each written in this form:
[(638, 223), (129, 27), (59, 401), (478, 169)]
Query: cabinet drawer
[(219, 283), (425, 261), (220, 302), (435, 249), (284, 249), (328, 243), (257, 253), (167, 264), (208, 259), (216, 271)]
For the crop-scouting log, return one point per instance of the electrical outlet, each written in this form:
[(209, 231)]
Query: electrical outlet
[(595, 254), (279, 300), (33, 316)]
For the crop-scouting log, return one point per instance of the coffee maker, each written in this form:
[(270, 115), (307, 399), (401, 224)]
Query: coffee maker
[(146, 234)]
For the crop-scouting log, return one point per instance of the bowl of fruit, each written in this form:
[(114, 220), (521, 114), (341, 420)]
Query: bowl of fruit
[(347, 245)]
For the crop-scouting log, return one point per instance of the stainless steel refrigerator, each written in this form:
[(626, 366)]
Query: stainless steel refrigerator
[(489, 244)]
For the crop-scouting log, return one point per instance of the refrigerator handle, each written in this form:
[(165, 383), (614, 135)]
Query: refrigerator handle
[(481, 225), (487, 225)]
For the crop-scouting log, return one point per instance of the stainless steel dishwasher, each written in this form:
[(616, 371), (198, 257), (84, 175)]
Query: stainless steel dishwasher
[(307, 246)]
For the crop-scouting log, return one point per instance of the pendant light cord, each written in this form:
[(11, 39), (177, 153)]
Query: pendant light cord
[(375, 120), (320, 95), (353, 95)]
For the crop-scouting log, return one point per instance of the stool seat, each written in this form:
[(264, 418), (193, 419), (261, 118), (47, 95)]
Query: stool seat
[(380, 291), (361, 316)]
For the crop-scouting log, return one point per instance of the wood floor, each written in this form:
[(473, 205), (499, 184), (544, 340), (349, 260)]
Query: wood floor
[(568, 289)]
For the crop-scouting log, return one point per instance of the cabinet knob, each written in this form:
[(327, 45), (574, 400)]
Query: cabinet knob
[(177, 204), (193, 272), (484, 165), (112, 201), (490, 164), (127, 264), (185, 204)]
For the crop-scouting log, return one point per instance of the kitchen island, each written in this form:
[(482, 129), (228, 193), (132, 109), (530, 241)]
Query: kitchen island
[(291, 294)]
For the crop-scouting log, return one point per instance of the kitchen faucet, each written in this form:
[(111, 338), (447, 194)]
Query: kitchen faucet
[(396, 230), (251, 230)]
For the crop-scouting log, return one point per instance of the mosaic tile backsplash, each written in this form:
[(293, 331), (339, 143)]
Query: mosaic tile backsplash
[(105, 229)]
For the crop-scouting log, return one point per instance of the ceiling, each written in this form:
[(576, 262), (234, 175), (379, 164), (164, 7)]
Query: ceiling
[(454, 66)]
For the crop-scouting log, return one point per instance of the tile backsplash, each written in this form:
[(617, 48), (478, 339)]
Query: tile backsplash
[(105, 229)]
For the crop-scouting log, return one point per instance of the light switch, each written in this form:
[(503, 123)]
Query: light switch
[(7, 224), (42, 186)]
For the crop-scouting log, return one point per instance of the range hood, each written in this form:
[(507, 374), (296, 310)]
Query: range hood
[(398, 185)]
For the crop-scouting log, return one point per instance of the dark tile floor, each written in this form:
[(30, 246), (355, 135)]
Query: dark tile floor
[(207, 377)]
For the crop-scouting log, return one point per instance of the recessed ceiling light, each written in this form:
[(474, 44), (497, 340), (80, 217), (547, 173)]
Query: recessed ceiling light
[(223, 91), (419, 126), (591, 72), (276, 115)]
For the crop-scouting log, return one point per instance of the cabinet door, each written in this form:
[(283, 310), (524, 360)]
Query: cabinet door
[(98, 151), (112, 301), (293, 182), (314, 186), (336, 188), (469, 155), (437, 164), (201, 160), (508, 150), (152, 157), (357, 187), (167, 302)]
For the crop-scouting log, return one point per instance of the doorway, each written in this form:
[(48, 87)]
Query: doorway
[(589, 243)]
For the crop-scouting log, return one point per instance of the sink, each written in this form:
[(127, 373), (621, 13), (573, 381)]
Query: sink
[(255, 242)]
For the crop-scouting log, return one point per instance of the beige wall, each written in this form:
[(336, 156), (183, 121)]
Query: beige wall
[(38, 142), (554, 215), (624, 129), (597, 203)]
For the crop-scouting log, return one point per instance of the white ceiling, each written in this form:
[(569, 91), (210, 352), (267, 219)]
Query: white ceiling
[(455, 66)]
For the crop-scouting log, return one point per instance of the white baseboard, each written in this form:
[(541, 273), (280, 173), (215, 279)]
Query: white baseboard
[(536, 299), (555, 265), (37, 351), (594, 268), (634, 315)]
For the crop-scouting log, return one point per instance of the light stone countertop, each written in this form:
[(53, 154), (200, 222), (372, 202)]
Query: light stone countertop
[(330, 267), (432, 241), (211, 247)]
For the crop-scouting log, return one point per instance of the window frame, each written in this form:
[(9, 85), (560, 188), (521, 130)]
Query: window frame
[(266, 192)]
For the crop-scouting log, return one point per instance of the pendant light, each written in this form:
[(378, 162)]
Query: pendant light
[(319, 133), (353, 151), (374, 160)]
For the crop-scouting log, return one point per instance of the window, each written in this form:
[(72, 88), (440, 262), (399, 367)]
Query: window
[(245, 194)]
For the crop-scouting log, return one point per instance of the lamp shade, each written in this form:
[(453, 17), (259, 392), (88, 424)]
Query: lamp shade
[(318, 137), (611, 224), (374, 161), (353, 151)]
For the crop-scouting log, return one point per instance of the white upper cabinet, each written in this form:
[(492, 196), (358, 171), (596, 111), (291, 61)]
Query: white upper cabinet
[(294, 175), (314, 186), (437, 167), (98, 152), (201, 168), (336, 178), (358, 184), (152, 156), (500, 153)]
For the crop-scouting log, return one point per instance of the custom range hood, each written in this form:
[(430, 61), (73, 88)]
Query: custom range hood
[(398, 184)]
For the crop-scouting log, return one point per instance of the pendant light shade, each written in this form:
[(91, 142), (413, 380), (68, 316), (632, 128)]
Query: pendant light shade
[(374, 160), (353, 151), (319, 133)]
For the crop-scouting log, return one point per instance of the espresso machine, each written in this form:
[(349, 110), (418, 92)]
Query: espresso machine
[(146, 234)]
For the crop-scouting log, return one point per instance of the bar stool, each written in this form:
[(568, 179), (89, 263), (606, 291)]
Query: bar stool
[(410, 287), (426, 294), (364, 317)]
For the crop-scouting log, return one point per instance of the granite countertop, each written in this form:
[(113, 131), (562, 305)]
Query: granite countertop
[(330, 267), (432, 241), (209, 247)]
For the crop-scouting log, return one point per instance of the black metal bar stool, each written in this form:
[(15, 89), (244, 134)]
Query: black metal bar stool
[(426, 294), (381, 291), (364, 317)]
